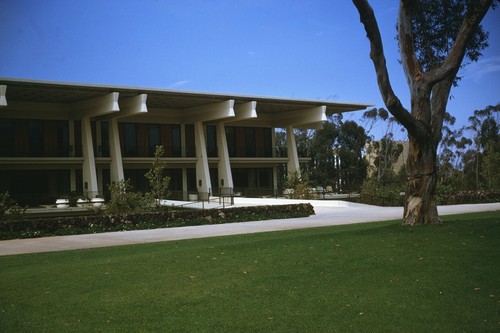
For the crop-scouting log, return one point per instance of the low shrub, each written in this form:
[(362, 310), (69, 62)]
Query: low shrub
[(72, 225), (375, 192), (10, 210), (472, 197)]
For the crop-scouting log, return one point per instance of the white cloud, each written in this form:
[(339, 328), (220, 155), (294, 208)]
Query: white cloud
[(486, 66), (179, 84)]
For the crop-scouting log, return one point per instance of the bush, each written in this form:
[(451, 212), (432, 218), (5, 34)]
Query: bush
[(37, 227), (299, 185), (472, 197), (375, 192), (124, 200), (10, 210), (443, 193)]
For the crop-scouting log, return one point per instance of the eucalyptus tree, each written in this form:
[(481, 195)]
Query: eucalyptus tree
[(485, 131), (451, 154), (434, 38), (383, 153)]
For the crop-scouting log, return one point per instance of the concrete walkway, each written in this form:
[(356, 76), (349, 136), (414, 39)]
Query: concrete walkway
[(328, 213)]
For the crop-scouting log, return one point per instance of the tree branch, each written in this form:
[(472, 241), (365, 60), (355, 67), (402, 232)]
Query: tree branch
[(411, 65), (439, 100), (392, 102)]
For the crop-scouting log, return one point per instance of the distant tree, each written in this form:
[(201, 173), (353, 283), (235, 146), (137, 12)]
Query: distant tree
[(280, 142), (371, 118), (485, 130), (323, 165), (452, 149), (353, 167), (384, 152), (303, 139), (434, 37), (387, 152)]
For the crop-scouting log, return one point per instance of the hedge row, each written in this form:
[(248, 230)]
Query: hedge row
[(473, 197), (73, 225)]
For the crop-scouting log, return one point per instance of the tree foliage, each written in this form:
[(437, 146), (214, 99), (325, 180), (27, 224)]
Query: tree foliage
[(437, 21), (125, 200), (353, 166), (298, 183), (336, 153), (486, 138), (158, 182)]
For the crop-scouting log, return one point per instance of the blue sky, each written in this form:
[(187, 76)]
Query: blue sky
[(294, 49)]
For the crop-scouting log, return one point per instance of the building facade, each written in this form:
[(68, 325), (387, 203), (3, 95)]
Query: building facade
[(60, 138)]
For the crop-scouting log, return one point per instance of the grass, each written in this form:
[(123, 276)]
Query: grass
[(376, 277)]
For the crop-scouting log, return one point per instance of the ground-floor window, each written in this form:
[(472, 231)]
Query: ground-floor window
[(35, 187), (253, 181)]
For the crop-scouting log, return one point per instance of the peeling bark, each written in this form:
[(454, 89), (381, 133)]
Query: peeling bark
[(420, 202)]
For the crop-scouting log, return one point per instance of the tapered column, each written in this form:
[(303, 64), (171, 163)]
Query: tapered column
[(3, 99), (72, 179), (89, 170), (225, 176), (184, 184), (293, 157), (116, 167), (202, 171)]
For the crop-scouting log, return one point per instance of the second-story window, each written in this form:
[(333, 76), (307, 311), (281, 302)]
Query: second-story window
[(231, 141), (6, 138), (176, 141), (104, 139), (250, 142), (154, 138), (35, 138), (129, 140), (211, 141)]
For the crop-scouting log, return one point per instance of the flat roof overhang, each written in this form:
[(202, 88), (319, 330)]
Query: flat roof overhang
[(67, 93)]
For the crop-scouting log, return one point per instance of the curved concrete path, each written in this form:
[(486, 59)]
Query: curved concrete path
[(328, 213)]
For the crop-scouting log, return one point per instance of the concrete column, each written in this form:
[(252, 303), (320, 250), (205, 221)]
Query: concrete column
[(116, 167), (184, 184), (183, 140), (71, 134), (3, 99), (72, 153), (202, 171), (224, 167), (100, 184), (293, 157), (72, 179), (275, 179), (88, 168)]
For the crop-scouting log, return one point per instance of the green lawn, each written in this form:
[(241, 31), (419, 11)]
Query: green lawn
[(376, 277)]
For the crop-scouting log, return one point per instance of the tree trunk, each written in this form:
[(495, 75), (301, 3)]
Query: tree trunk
[(420, 200)]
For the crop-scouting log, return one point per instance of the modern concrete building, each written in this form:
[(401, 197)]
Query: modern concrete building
[(60, 138)]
